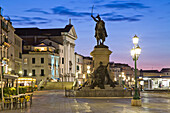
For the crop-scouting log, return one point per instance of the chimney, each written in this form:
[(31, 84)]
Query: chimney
[(69, 21)]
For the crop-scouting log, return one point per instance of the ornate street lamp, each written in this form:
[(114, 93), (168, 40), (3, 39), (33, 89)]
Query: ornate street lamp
[(135, 52)]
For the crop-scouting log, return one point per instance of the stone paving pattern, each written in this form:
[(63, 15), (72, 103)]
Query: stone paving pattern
[(53, 101)]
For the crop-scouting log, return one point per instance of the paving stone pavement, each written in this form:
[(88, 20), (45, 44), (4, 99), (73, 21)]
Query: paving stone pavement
[(53, 101)]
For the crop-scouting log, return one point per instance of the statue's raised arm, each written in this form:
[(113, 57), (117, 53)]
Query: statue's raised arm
[(94, 18)]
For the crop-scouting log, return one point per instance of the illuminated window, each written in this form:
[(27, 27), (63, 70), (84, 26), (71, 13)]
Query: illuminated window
[(42, 49), (25, 60)]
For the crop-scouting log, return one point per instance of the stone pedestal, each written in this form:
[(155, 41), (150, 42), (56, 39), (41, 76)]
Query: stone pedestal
[(97, 92), (100, 53), (136, 102)]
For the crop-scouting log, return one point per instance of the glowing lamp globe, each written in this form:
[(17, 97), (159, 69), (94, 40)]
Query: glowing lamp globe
[(135, 40), (132, 52), (137, 50)]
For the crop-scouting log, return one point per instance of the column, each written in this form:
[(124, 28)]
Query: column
[(72, 59), (65, 59)]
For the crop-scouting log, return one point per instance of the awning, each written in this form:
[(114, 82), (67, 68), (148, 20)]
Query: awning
[(7, 76)]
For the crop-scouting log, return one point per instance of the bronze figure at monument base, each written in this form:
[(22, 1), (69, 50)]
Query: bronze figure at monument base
[(101, 77)]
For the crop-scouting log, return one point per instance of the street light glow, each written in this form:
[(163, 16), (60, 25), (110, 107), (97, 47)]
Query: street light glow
[(135, 40), (115, 79), (137, 50), (9, 69), (20, 72), (88, 71), (132, 79), (88, 67), (132, 52), (84, 76), (76, 75), (30, 74)]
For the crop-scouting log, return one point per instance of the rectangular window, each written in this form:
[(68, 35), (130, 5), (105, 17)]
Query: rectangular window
[(42, 60), (42, 72), (78, 59), (5, 39), (25, 72), (20, 55), (25, 60), (78, 68), (33, 72), (62, 60), (33, 60)]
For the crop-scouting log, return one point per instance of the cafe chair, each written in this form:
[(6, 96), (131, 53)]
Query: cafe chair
[(7, 103)]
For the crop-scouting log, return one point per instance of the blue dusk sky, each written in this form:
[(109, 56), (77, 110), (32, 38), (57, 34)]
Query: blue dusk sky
[(148, 19)]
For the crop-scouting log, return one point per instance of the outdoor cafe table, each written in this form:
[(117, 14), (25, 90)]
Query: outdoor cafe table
[(17, 96)]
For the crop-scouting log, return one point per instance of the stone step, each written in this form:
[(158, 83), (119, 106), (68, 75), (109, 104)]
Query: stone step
[(108, 87), (58, 85)]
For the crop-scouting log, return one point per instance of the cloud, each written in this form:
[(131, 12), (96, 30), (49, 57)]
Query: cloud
[(128, 5), (98, 1), (107, 14), (60, 10), (37, 10), (20, 20), (123, 18), (30, 23), (39, 18)]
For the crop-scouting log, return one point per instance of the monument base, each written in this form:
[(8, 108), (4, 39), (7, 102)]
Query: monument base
[(107, 92), (100, 53), (136, 102)]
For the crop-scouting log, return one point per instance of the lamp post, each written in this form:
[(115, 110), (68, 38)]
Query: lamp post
[(84, 76), (123, 79), (135, 52), (88, 72), (120, 80)]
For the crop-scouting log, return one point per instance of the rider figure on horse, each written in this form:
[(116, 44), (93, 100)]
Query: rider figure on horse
[(100, 31)]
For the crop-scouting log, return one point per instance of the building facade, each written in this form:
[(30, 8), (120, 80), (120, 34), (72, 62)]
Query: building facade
[(11, 48), (122, 73), (154, 79), (64, 37), (41, 62), (79, 68), (87, 67)]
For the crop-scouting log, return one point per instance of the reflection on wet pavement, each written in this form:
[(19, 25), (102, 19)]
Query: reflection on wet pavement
[(53, 101)]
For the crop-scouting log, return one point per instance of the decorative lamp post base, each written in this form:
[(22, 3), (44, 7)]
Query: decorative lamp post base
[(136, 102)]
